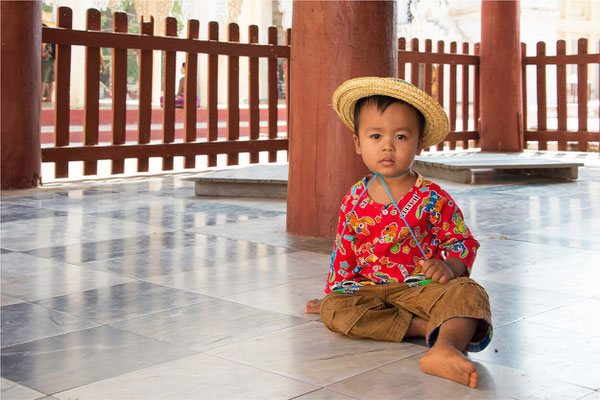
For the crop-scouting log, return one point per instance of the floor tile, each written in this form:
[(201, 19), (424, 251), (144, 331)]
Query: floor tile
[(7, 300), (285, 352), (511, 302), (25, 322), (83, 357), (27, 277), (119, 302), (303, 264), (288, 298), (224, 280), (324, 394), (593, 396), (583, 234), (500, 254), (13, 391), (564, 274), (208, 325), (405, 380), (580, 317), (17, 212), (199, 376), (545, 351)]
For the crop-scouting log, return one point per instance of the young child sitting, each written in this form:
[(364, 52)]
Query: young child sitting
[(403, 253)]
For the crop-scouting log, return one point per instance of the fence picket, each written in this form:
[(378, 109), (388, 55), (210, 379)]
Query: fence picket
[(145, 93), (190, 92), (253, 99), (414, 66), (288, 42), (427, 69), (561, 91), (452, 110), (439, 84), (523, 93), (119, 91), (476, 93), (213, 94), (92, 92), (63, 82), (401, 62), (273, 93), (582, 93), (169, 89), (542, 116), (465, 96), (233, 93)]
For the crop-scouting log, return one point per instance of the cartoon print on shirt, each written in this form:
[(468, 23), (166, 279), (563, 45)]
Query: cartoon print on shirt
[(361, 225), (461, 228), (431, 204)]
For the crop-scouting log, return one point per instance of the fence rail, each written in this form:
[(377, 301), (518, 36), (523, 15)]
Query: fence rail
[(196, 142)]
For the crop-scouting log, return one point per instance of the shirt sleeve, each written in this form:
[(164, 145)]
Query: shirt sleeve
[(456, 239), (343, 258)]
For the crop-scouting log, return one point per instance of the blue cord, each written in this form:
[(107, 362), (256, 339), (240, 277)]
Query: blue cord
[(378, 175)]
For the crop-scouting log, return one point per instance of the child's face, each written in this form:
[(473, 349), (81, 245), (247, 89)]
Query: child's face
[(388, 142)]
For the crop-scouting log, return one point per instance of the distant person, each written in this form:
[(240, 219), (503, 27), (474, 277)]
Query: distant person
[(48, 57)]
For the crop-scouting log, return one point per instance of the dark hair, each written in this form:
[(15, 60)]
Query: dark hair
[(382, 103)]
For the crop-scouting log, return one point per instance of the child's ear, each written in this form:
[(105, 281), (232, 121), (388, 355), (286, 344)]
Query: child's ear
[(356, 144)]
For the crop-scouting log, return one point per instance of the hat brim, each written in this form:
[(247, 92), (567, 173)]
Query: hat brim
[(349, 92)]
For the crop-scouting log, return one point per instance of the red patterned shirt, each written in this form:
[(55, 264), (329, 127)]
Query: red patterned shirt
[(377, 247)]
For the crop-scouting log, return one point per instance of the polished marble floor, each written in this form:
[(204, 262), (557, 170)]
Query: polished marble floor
[(137, 289)]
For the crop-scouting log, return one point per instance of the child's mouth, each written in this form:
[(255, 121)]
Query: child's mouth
[(386, 162)]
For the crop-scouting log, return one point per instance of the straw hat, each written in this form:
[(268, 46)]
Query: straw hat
[(349, 92)]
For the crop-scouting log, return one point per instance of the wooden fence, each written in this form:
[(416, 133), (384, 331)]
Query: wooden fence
[(90, 152), (437, 73), (584, 134), (428, 72)]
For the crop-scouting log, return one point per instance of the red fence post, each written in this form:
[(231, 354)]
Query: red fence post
[(21, 23), (541, 95), (190, 92), (212, 93), (92, 89), (500, 60), (62, 105), (233, 93), (439, 84), (119, 92), (561, 95), (253, 96), (145, 93), (582, 93), (273, 92), (169, 93)]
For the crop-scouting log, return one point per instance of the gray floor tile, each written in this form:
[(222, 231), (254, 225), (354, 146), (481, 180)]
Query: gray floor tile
[(7, 300), (285, 352), (63, 362), (511, 302), (208, 325), (13, 391), (580, 317), (28, 277), (199, 376), (25, 322), (405, 380), (119, 302), (544, 351)]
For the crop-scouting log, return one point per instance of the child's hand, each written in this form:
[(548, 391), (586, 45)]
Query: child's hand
[(436, 270)]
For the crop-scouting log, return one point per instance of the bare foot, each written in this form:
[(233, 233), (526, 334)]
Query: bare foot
[(313, 306), (448, 362)]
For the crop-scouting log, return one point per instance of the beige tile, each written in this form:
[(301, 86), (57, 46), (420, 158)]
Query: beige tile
[(325, 394), (405, 380), (196, 377), (13, 391), (311, 353)]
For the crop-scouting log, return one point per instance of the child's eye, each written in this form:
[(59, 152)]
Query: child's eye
[(400, 137), (376, 136)]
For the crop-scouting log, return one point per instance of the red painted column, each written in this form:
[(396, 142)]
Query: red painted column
[(332, 41), (500, 94), (21, 93)]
